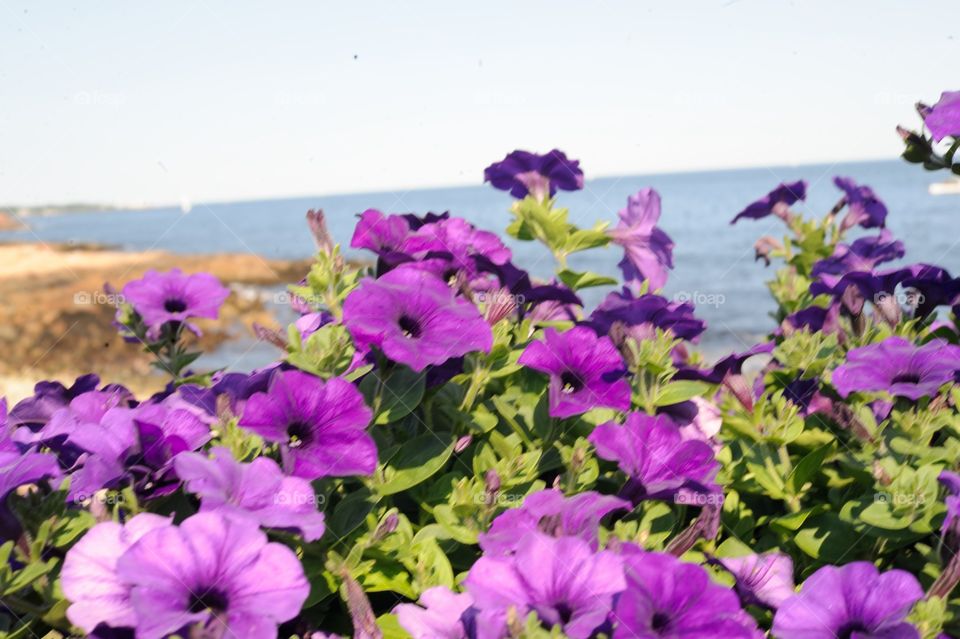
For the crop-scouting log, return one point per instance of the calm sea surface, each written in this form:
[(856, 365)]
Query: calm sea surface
[(714, 261)]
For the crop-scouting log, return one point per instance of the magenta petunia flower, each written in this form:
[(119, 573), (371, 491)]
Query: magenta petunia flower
[(943, 118), (451, 245), (854, 600), (385, 235), (561, 579), (414, 318), (950, 528), (659, 463), (864, 208), (666, 597), (215, 574), (585, 371), (898, 367), (764, 579), (321, 426), (862, 255), (776, 202), (160, 298), (550, 512), (648, 251), (439, 614), (523, 173), (258, 491), (100, 599)]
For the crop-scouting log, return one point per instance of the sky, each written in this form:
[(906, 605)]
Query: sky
[(138, 103)]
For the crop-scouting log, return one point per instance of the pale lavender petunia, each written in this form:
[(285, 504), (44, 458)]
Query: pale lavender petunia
[(550, 512), (174, 297), (100, 600), (648, 251), (665, 597), (776, 202), (854, 600), (414, 318), (761, 579), (585, 371), (439, 614), (658, 462), (258, 491), (321, 426), (559, 578), (898, 367), (214, 574), (524, 173), (943, 118)]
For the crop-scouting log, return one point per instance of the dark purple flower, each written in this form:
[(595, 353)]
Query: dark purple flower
[(943, 118), (862, 255), (321, 426), (934, 286), (666, 597), (813, 318), (414, 318), (852, 290), (175, 297), (658, 462), (697, 418), (523, 173), (898, 367), (644, 314), (89, 576), (18, 470), (864, 208), (585, 371), (559, 578), (648, 251), (550, 512), (439, 615), (761, 579), (729, 365), (47, 397), (214, 573), (258, 491), (854, 601), (950, 528), (776, 202)]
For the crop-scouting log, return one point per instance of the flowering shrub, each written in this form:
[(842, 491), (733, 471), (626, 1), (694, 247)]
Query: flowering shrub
[(449, 448)]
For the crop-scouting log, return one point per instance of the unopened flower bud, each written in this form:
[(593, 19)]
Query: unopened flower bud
[(318, 228)]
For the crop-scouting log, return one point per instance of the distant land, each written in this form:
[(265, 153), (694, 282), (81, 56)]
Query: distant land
[(42, 210)]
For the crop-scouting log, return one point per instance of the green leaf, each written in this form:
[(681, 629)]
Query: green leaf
[(394, 395), (827, 538), (390, 627), (807, 467), (350, 512), (681, 391), (416, 461), (586, 279)]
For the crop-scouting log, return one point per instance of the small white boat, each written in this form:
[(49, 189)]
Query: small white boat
[(947, 187)]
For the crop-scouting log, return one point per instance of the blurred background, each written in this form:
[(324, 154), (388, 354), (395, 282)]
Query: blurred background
[(197, 134)]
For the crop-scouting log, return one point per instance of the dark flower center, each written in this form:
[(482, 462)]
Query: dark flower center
[(174, 306), (564, 611), (211, 599), (570, 383), (906, 378), (659, 621), (846, 630), (409, 326), (298, 435)]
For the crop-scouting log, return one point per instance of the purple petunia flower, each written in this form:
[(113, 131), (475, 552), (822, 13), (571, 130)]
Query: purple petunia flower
[(523, 173), (761, 579), (258, 491), (852, 290), (214, 573), (934, 287), (648, 251), (414, 318), (642, 315), (18, 470), (813, 318), (659, 463), (561, 579), (666, 597), (950, 528), (383, 234), (550, 512), (100, 600), (862, 255), (943, 118), (864, 208), (776, 202), (854, 600), (321, 426), (585, 371), (439, 615), (898, 367), (47, 398), (174, 297), (452, 244), (730, 365)]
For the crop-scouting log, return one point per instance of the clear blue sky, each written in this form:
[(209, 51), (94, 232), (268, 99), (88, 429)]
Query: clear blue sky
[(155, 102)]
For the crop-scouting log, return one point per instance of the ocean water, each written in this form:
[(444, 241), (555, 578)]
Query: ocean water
[(714, 261)]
